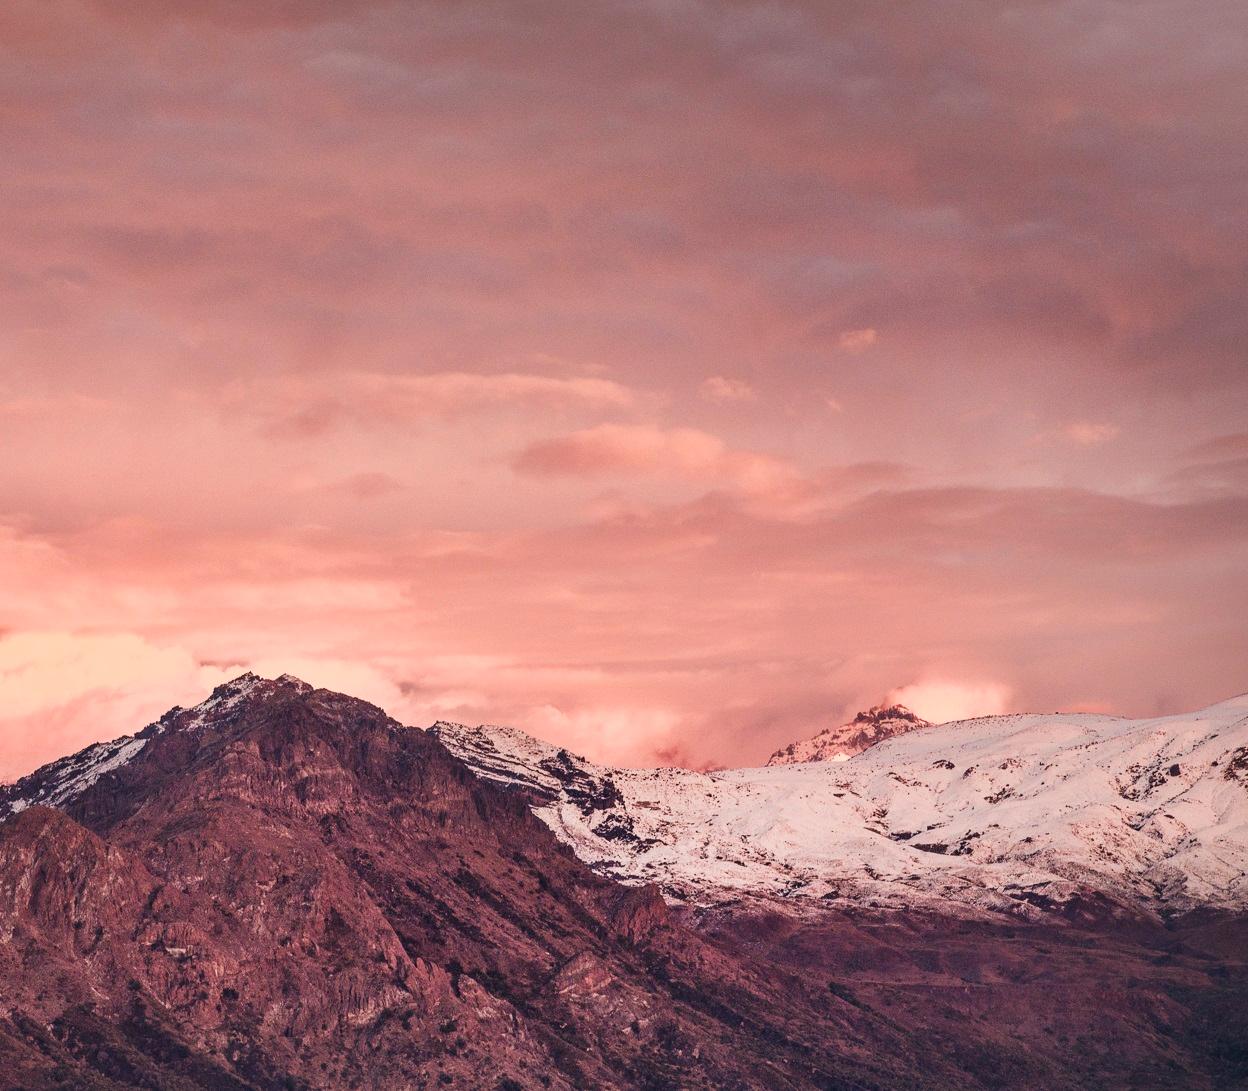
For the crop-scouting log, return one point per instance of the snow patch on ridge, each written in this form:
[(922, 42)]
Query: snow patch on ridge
[(63, 781)]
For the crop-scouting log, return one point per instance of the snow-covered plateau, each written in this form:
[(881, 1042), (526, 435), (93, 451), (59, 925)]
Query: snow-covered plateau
[(1026, 814)]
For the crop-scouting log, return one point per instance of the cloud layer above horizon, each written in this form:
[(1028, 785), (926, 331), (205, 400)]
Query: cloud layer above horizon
[(668, 378)]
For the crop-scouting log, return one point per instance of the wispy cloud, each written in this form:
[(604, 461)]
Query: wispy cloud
[(300, 405), (644, 449), (1085, 433), (856, 341), (718, 388)]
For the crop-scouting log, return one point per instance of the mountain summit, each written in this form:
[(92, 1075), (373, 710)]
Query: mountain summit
[(839, 743)]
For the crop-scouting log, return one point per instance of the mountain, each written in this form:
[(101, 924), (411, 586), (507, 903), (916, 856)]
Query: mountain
[(839, 743), (1025, 815), (284, 888)]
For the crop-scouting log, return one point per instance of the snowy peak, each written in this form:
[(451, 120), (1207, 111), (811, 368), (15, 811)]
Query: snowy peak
[(224, 701), (839, 743)]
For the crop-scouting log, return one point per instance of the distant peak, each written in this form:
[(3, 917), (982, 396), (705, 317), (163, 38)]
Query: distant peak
[(876, 713), (876, 724)]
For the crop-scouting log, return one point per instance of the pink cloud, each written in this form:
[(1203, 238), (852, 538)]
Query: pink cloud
[(1090, 433), (942, 701), (716, 629), (1221, 448), (609, 448), (60, 690), (644, 449), (367, 485), (718, 388), (309, 405), (857, 341)]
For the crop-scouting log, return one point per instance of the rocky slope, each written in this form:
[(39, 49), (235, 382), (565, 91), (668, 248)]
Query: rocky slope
[(841, 743), (1025, 815)]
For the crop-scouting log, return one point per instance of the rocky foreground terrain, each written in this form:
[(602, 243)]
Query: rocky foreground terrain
[(284, 888)]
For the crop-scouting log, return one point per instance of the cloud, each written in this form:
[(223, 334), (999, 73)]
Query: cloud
[(716, 628), (60, 691), (360, 679), (1084, 433), (941, 702), (611, 448), (721, 389), (1228, 447), (856, 341), (617, 736), (298, 405), (1217, 467), (644, 449), (366, 485)]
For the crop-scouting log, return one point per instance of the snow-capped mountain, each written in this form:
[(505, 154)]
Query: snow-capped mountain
[(1087, 814), (840, 743)]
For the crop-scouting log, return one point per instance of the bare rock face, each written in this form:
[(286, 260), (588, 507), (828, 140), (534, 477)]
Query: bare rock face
[(637, 912), (838, 743)]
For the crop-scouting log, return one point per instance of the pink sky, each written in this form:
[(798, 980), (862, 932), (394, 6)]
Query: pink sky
[(668, 378)]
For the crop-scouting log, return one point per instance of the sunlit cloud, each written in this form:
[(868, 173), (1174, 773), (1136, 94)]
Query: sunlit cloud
[(61, 690), (618, 736), (665, 378), (856, 341), (721, 389), (1090, 433), (644, 449), (941, 702), (296, 405)]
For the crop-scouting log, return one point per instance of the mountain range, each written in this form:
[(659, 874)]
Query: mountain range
[(283, 887), (1079, 813)]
